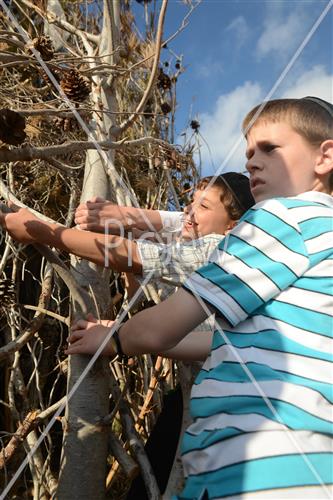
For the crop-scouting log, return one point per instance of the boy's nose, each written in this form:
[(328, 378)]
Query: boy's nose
[(252, 165)]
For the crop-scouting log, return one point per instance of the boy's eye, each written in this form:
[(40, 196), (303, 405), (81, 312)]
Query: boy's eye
[(269, 147), (203, 206)]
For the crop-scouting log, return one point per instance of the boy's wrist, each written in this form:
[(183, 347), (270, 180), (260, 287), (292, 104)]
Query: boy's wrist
[(112, 348), (117, 344), (115, 347)]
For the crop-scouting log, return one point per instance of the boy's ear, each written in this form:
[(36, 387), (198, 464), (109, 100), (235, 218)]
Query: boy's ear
[(230, 226), (324, 164)]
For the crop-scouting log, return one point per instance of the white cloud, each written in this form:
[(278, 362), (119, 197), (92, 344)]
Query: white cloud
[(208, 68), (315, 82), (222, 128), (240, 30), (282, 32)]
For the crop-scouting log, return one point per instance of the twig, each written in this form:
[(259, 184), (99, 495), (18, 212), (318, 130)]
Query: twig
[(62, 167), (25, 427), (7, 195), (20, 341), (152, 386), (119, 130), (65, 25), (136, 444), (54, 315), (29, 423)]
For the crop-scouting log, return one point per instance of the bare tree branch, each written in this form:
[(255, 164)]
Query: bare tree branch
[(7, 453), (28, 153), (20, 341), (7, 195), (65, 25), (129, 466), (119, 130), (29, 423)]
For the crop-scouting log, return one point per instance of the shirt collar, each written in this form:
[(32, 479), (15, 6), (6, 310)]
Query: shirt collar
[(317, 197)]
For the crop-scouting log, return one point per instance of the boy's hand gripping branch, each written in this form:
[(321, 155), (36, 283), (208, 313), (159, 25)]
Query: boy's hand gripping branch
[(87, 335)]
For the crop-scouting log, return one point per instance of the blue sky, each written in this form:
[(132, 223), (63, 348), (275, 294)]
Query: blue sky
[(233, 52)]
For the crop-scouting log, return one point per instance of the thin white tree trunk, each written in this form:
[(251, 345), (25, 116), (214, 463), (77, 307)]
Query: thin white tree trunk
[(85, 446)]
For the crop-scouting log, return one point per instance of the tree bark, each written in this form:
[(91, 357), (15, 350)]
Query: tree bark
[(85, 444)]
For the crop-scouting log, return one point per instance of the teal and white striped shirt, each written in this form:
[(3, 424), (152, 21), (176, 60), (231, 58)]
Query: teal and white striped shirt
[(262, 401)]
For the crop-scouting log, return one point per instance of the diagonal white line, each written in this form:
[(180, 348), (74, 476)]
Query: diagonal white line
[(90, 134), (136, 295), (252, 378), (280, 79), (77, 384), (217, 173), (258, 388)]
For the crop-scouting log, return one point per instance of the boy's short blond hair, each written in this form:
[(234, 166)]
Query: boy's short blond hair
[(308, 118)]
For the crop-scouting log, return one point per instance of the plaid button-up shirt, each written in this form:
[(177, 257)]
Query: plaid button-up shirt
[(171, 264)]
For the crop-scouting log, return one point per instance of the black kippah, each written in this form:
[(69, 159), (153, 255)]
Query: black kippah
[(324, 104), (239, 186)]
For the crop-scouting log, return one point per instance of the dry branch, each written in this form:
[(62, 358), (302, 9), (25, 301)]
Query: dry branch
[(7, 195), (125, 125), (129, 466), (33, 419), (28, 153), (20, 341), (65, 25), (136, 443), (79, 296), (25, 427), (152, 387)]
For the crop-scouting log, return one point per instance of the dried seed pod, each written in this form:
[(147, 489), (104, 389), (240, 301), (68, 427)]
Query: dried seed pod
[(163, 80), (195, 125), (165, 107)]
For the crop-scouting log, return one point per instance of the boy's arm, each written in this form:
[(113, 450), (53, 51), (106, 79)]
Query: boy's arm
[(115, 252), (159, 329), (98, 214), (194, 347)]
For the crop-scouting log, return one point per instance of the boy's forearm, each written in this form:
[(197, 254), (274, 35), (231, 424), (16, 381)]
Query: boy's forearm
[(102, 216), (194, 347), (162, 327), (108, 251), (142, 219)]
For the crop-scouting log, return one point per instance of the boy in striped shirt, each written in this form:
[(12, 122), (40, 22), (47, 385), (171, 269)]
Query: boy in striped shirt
[(262, 401)]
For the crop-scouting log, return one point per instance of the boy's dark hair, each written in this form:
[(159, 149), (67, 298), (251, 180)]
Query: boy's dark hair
[(310, 117), (235, 192)]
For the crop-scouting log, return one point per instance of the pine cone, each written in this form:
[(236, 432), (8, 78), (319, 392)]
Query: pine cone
[(7, 293), (12, 127), (55, 72), (75, 86), (44, 46)]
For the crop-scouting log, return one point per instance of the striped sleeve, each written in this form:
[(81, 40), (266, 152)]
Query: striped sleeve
[(263, 255)]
